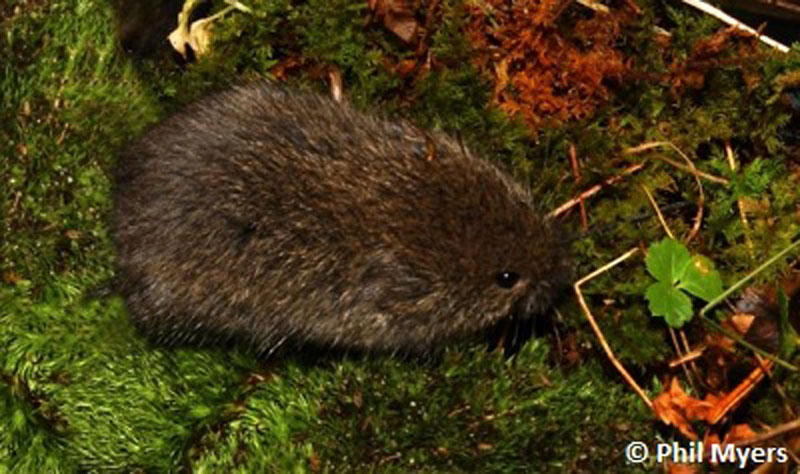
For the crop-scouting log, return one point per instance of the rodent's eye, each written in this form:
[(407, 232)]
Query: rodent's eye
[(507, 279)]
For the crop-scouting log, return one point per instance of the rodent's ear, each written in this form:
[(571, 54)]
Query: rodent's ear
[(385, 279)]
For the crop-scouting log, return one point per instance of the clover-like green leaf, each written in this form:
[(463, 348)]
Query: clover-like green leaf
[(667, 260), (700, 279), (667, 301), (675, 270)]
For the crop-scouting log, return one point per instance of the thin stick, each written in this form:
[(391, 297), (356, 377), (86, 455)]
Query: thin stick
[(239, 6), (740, 202), (650, 145), (593, 5), (735, 397), (658, 212), (698, 218), (725, 18), (599, 333), (593, 190), (787, 404), (688, 348), (740, 340), (773, 433), (688, 357), (576, 173), (735, 287), (680, 353)]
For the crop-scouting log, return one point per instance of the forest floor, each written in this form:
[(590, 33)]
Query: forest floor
[(696, 125)]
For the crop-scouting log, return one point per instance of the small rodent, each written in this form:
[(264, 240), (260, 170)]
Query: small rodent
[(265, 215)]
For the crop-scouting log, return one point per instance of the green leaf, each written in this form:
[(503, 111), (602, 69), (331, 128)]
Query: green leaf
[(667, 301), (700, 278), (675, 269), (667, 260)]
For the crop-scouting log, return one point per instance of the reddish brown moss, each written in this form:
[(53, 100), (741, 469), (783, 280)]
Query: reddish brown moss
[(546, 75)]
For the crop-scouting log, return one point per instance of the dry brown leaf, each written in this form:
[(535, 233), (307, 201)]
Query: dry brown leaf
[(719, 341), (200, 36), (669, 407), (398, 17), (700, 409), (286, 65), (738, 433), (674, 407), (741, 322), (180, 37)]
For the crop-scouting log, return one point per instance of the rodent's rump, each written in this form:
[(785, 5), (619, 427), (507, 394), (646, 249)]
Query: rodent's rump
[(266, 215)]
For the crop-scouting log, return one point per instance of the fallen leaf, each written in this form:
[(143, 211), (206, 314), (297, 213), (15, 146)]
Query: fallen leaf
[(200, 36), (398, 17), (669, 407), (738, 433), (741, 322), (179, 38)]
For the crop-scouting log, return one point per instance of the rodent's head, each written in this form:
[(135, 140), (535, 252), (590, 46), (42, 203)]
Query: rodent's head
[(465, 250)]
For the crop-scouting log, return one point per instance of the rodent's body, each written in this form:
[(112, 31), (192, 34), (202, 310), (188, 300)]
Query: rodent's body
[(265, 215)]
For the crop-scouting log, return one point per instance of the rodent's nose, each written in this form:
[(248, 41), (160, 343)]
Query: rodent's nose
[(534, 302)]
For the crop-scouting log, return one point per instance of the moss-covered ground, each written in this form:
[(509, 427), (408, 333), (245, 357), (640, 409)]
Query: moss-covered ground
[(81, 391)]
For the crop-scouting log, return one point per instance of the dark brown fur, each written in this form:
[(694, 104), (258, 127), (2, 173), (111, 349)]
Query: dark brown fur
[(266, 215)]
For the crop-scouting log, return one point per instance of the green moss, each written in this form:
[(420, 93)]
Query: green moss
[(360, 415)]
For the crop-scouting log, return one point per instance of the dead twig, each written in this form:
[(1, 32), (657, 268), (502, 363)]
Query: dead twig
[(734, 288), (599, 333), (740, 203), (658, 212), (650, 145), (594, 5), (576, 173), (732, 400), (593, 190), (698, 218), (725, 18), (773, 433), (688, 357)]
